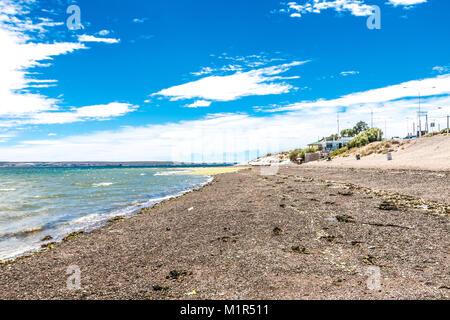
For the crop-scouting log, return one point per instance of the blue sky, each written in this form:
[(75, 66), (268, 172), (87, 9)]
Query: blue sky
[(212, 80)]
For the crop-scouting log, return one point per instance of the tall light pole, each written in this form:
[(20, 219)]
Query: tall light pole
[(371, 115), (371, 118), (420, 112), (339, 133), (407, 127)]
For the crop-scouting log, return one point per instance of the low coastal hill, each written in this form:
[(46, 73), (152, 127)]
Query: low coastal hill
[(431, 153), (428, 153)]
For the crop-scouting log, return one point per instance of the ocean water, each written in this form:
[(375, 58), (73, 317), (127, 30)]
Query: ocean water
[(39, 202)]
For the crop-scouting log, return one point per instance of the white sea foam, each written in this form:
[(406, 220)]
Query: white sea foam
[(15, 246), (171, 173), (7, 190), (102, 184)]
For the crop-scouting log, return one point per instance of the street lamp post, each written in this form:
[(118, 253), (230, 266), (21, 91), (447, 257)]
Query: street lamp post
[(420, 112)]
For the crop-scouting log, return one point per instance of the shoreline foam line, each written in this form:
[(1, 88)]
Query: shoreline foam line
[(128, 212)]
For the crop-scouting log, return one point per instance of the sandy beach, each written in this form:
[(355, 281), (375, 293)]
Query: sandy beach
[(303, 233)]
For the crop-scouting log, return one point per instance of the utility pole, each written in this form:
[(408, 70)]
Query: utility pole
[(420, 120), (407, 128), (339, 132), (371, 118), (447, 123)]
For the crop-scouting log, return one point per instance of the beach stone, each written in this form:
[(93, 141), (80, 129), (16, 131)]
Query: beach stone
[(388, 205), (345, 218), (278, 231)]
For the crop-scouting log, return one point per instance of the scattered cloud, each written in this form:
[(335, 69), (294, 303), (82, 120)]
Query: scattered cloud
[(442, 69), (262, 81), (104, 32), (236, 136), (95, 112), (406, 3), (354, 7), (199, 103), (140, 20), (439, 85), (88, 38), (16, 57), (349, 73), (203, 71), (23, 49)]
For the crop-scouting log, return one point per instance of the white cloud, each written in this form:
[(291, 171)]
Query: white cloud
[(21, 51), (18, 55), (104, 32), (441, 69), (139, 20), (349, 73), (203, 71), (95, 112), (439, 85), (232, 87), (406, 2), (199, 103), (354, 7), (89, 38), (239, 134)]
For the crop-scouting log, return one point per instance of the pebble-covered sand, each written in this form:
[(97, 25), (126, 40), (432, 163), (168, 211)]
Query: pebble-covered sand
[(299, 234)]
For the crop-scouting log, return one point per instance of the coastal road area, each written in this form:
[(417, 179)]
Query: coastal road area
[(299, 233)]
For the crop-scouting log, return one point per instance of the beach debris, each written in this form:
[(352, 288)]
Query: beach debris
[(50, 245), (388, 205), (178, 275), (323, 235), (376, 224), (72, 235), (369, 259), (338, 282), (355, 242), (192, 293), (278, 231), (300, 249), (283, 205), (9, 261), (345, 218), (159, 288), (329, 238), (168, 228), (345, 193), (116, 219), (47, 238), (191, 208), (225, 239)]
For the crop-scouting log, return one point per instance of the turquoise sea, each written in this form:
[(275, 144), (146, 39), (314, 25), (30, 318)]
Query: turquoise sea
[(39, 202)]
